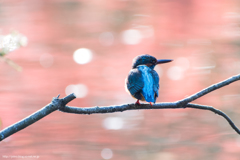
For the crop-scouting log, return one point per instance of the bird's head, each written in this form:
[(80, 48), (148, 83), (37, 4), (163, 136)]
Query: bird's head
[(148, 60)]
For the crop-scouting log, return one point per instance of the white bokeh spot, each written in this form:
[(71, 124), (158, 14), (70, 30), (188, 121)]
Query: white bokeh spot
[(175, 73), (131, 37), (82, 56), (107, 153), (80, 90), (113, 123)]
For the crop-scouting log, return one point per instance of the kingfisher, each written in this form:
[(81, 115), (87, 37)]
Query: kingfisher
[(143, 81)]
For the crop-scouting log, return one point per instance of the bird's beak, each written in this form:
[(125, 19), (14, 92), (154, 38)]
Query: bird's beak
[(160, 61)]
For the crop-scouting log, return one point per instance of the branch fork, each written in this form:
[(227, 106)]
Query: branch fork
[(60, 104)]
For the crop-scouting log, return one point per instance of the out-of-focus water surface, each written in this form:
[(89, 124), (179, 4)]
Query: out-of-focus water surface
[(87, 47)]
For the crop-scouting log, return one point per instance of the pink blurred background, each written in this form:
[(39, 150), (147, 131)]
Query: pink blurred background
[(87, 47)]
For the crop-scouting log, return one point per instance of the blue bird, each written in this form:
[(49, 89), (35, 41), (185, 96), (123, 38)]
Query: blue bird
[(143, 81)]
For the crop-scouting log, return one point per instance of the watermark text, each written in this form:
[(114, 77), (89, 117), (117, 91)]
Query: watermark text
[(19, 156)]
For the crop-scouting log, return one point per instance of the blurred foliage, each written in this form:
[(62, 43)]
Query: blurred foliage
[(9, 43)]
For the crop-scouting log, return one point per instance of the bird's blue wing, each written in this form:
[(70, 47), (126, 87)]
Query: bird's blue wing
[(134, 82)]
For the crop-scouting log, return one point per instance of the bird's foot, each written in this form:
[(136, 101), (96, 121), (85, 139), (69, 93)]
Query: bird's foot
[(151, 103), (138, 103)]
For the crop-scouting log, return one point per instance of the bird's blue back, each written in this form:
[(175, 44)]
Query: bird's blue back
[(147, 90)]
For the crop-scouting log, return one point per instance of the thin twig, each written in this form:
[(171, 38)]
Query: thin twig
[(11, 63), (217, 111)]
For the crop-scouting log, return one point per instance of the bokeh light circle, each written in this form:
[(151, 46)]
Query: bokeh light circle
[(113, 123), (183, 63), (80, 90), (131, 37), (107, 153), (46, 60), (175, 73), (82, 56), (106, 38)]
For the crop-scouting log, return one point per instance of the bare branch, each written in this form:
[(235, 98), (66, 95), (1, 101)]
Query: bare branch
[(53, 106), (210, 89), (124, 107), (60, 104)]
